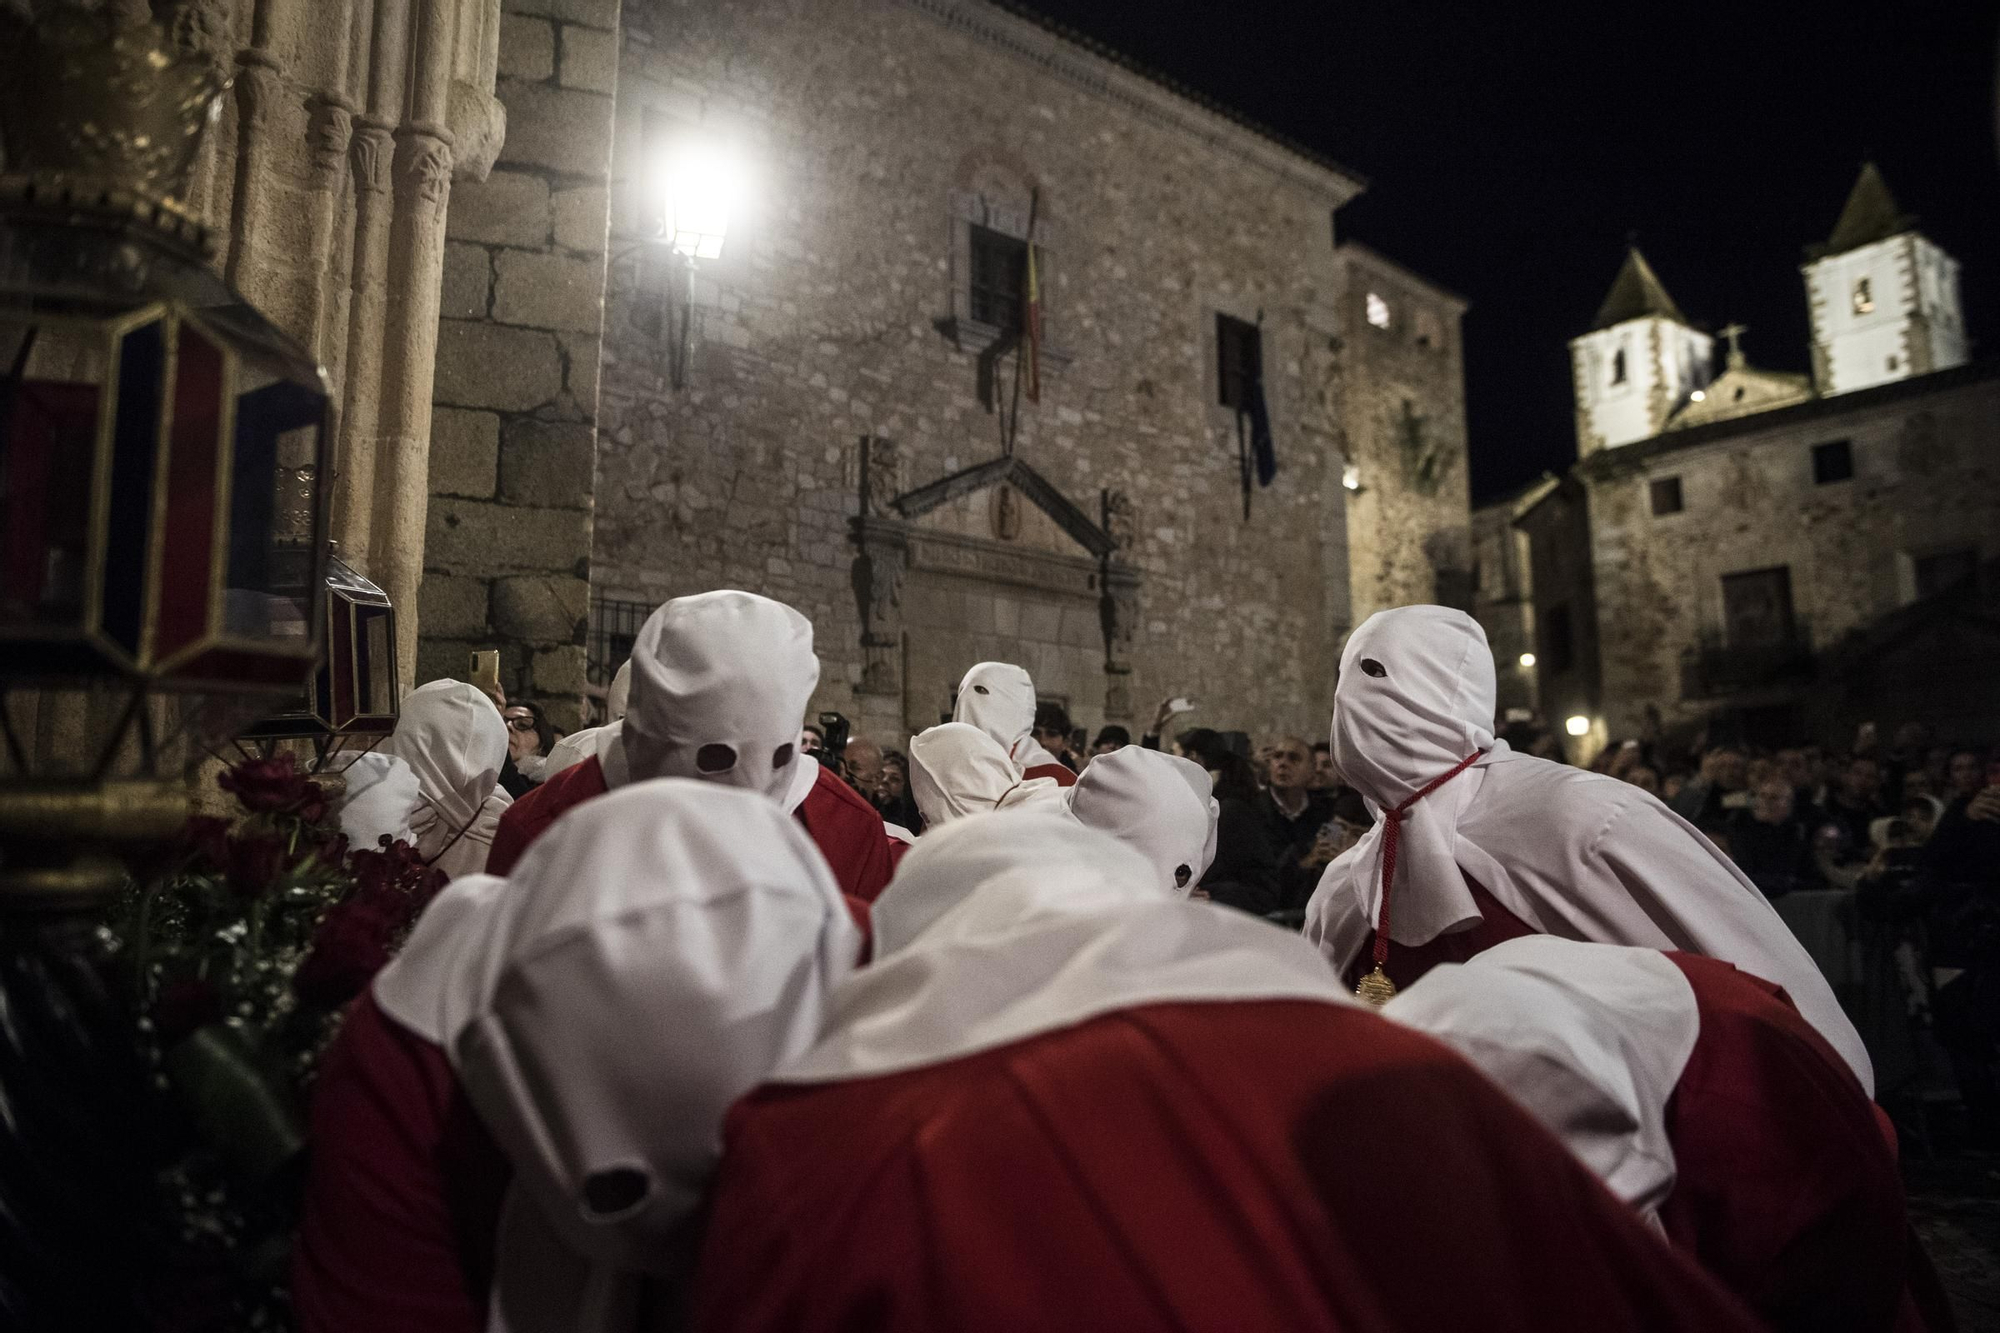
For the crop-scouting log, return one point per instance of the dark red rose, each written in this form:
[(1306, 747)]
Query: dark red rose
[(352, 944), (271, 786), (183, 1006), (253, 864)]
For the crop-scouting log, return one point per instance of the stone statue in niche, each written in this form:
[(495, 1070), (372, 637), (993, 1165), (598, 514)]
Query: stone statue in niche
[(1005, 510), (1121, 520), (882, 476)]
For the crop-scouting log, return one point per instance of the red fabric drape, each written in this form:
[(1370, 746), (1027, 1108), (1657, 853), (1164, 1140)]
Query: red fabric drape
[(1241, 1166)]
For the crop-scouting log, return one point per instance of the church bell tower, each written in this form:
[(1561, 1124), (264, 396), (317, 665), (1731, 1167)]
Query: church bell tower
[(1883, 296), (1638, 364)]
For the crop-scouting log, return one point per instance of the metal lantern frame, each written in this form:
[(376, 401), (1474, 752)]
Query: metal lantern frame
[(355, 689), (164, 433)]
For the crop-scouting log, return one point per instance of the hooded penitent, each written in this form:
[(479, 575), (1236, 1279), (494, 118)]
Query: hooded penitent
[(958, 770), (1159, 805), (999, 699), (1590, 1038), (452, 737), (1000, 928), (1570, 853), (720, 683), (686, 900)]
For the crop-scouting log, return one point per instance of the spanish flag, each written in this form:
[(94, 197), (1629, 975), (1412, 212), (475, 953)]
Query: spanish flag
[(1031, 325)]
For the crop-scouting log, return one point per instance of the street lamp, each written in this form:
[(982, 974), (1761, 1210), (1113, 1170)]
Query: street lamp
[(700, 187), (1577, 725), (1527, 660)]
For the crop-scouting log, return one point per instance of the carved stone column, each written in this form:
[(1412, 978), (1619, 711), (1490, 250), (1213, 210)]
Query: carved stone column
[(879, 567), (332, 131), (1118, 606), (259, 84), (403, 430), (373, 153)]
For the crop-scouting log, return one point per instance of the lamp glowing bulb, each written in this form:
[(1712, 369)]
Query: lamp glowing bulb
[(1350, 477), (1527, 659), (1579, 725), (1699, 395), (700, 187)]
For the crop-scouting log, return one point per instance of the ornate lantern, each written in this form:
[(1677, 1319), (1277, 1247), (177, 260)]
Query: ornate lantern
[(162, 569), (353, 692), (162, 444)]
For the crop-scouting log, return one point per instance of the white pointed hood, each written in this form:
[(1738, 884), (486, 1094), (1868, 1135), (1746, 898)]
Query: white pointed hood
[(1590, 1038), (1000, 928), (1160, 805), (958, 770), (720, 683), (454, 740), (1571, 853), (652, 958), (999, 699)]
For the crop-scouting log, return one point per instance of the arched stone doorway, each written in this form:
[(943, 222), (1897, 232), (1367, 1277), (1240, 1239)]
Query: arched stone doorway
[(989, 563)]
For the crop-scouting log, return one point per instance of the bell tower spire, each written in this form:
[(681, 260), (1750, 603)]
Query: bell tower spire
[(1639, 362)]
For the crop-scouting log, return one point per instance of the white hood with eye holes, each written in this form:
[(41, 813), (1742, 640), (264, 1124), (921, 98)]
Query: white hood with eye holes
[(999, 699), (720, 683), (1571, 853)]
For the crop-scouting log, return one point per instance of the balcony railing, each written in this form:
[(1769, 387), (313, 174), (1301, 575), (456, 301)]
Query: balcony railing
[(1715, 666)]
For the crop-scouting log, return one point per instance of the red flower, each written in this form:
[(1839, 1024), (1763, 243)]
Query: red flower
[(352, 944), (183, 1006), (252, 865), (275, 786)]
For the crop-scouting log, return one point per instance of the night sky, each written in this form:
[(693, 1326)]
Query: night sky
[(1510, 149)]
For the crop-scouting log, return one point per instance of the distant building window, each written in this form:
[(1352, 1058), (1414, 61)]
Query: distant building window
[(1894, 365), (1378, 311), (614, 627), (1757, 608), (1942, 571), (1558, 643), (1618, 366), (1239, 358), (1666, 493), (1864, 296), (998, 265), (1832, 461)]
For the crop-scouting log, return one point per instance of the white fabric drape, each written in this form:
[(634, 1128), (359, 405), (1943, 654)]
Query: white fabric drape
[(1590, 1038), (958, 770), (655, 954), (454, 740), (999, 699), (1160, 805), (1021, 922), (1571, 853)]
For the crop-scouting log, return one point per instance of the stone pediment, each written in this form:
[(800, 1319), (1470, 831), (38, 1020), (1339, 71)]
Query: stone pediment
[(1004, 502)]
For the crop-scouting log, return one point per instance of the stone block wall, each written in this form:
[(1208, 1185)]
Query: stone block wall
[(1402, 409), (1925, 480), (873, 129), (514, 432)]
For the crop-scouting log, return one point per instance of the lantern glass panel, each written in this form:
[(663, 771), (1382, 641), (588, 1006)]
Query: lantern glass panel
[(50, 403)]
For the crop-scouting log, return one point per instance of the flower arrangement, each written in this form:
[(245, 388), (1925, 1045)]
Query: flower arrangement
[(243, 940)]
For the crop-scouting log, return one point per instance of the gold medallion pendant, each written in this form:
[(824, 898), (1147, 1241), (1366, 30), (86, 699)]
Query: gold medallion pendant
[(1376, 988)]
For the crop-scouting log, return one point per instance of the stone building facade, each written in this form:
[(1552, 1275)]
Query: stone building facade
[(1747, 561), (843, 428), (1402, 412), (1504, 594), (514, 445)]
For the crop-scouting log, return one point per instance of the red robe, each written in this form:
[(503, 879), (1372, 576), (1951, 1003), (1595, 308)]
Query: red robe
[(1246, 1165), (1060, 772), (847, 829), (403, 1195), (1786, 1189), (1408, 962)]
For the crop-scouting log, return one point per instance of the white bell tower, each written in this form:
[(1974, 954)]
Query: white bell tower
[(1638, 364), (1883, 296)]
